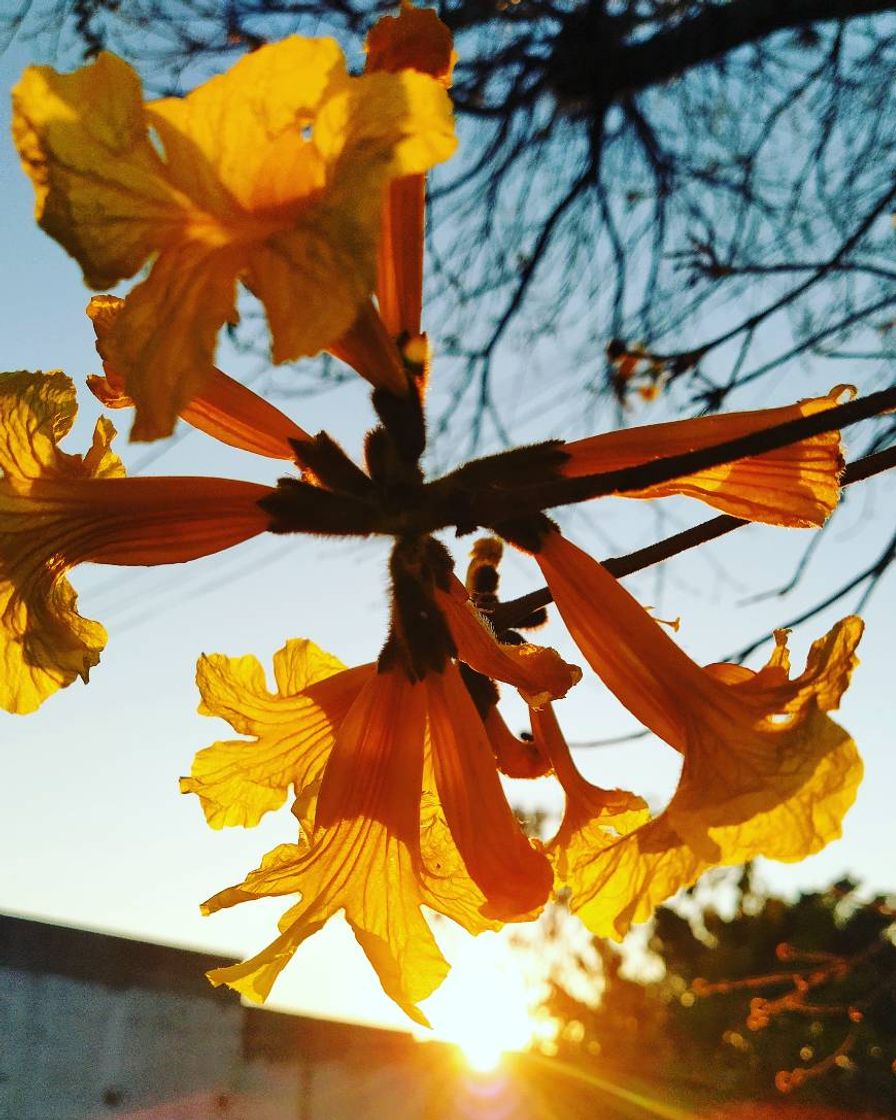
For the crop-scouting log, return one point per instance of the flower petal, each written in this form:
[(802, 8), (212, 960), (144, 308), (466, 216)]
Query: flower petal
[(445, 883), (797, 485), (646, 670), (517, 758), (235, 190), (513, 875), (101, 189), (414, 39), (773, 811), (362, 857), (191, 290), (224, 142), (292, 730), (538, 672), (766, 771), (224, 409), (58, 510)]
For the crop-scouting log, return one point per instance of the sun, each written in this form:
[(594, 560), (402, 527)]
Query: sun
[(485, 1006)]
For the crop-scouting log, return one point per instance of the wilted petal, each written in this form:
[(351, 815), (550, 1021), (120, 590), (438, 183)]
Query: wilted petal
[(539, 672)]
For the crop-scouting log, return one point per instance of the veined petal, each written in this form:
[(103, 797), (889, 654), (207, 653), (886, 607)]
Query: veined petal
[(101, 189), (235, 191), (511, 872), (191, 290), (224, 409), (445, 883), (235, 144), (360, 868), (292, 730), (766, 771), (789, 800), (538, 672), (593, 818), (797, 485), (58, 510), (44, 642), (363, 856), (135, 521), (37, 410), (381, 127)]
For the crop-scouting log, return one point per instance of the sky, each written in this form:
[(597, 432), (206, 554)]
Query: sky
[(95, 832)]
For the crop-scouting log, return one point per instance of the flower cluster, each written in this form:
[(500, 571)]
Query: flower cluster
[(306, 184)]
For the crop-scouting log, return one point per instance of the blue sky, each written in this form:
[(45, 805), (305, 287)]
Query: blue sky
[(95, 831)]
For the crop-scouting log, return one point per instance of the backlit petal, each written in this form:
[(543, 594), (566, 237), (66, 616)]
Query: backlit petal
[(414, 39), (445, 883), (220, 185), (362, 857), (44, 643), (539, 672), (517, 758), (292, 730), (224, 408), (796, 485), (790, 795), (58, 510), (101, 189), (766, 771), (513, 874)]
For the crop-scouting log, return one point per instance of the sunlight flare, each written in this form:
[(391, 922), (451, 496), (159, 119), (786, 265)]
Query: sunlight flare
[(486, 1007)]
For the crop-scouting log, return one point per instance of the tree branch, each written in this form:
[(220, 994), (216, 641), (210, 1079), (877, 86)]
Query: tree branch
[(510, 614), (719, 29)]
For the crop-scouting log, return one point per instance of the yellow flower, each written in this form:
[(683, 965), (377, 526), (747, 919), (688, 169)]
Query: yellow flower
[(58, 510), (224, 409), (237, 781), (410, 812), (273, 173), (306, 184), (765, 771), (796, 485)]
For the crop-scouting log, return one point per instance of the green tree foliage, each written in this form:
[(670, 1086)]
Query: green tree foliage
[(779, 997)]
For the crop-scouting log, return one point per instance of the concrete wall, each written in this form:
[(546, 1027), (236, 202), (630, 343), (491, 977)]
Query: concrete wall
[(93, 1027)]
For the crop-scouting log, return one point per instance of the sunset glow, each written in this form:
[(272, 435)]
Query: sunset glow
[(485, 1007)]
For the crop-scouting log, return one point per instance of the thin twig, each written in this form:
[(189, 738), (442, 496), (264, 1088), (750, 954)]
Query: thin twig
[(510, 614)]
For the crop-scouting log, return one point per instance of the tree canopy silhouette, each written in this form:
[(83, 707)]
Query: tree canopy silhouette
[(687, 196)]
